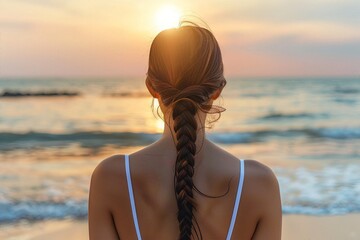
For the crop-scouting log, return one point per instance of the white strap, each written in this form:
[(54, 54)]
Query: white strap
[(131, 195), (237, 201)]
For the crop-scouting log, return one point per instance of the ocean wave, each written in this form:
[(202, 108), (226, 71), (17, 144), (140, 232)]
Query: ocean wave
[(54, 93), (272, 116), (335, 189), (12, 212), (128, 94), (346, 101), (31, 210), (9, 140), (261, 135), (330, 190), (337, 133), (99, 138), (58, 93), (343, 90)]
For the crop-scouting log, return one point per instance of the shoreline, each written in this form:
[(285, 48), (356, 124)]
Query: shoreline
[(295, 227)]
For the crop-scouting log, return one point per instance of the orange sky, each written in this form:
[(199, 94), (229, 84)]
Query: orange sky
[(112, 38)]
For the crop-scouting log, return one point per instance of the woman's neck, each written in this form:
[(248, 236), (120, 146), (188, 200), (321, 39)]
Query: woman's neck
[(168, 139)]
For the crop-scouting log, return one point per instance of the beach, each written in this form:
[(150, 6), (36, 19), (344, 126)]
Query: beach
[(82, 81), (295, 227)]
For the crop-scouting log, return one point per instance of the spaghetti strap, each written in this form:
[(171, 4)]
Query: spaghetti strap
[(237, 200), (131, 195)]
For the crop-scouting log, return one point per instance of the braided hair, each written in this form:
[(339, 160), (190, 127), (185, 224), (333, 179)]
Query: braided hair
[(185, 69)]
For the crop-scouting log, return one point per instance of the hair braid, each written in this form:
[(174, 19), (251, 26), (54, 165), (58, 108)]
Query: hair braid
[(185, 127), (185, 73)]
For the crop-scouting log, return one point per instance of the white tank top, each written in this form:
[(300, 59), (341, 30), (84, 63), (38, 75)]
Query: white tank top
[(236, 204)]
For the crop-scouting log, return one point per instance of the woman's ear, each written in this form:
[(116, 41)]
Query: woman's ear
[(216, 94), (151, 89)]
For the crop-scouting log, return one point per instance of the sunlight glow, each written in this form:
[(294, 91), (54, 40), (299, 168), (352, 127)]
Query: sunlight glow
[(159, 123), (167, 17)]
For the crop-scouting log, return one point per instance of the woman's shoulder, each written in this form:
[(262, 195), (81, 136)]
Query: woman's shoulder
[(110, 165), (260, 181), (109, 170), (259, 171)]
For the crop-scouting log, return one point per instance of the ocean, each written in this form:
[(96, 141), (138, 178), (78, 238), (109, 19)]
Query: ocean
[(54, 131)]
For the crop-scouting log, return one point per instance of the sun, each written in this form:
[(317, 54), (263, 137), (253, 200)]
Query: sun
[(167, 17)]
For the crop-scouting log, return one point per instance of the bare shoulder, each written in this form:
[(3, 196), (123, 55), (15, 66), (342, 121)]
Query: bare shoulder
[(263, 196), (103, 196), (259, 171), (108, 175), (109, 166), (261, 178)]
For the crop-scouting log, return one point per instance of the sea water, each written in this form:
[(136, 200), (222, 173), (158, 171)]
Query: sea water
[(306, 129)]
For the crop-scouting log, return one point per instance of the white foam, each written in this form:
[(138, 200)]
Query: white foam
[(334, 189)]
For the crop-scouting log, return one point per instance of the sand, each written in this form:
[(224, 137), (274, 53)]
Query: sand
[(295, 227), (298, 227)]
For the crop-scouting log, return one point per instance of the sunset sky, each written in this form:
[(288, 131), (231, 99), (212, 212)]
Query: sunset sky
[(112, 38)]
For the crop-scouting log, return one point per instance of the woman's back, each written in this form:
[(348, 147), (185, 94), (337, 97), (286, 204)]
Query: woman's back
[(152, 177), (184, 186)]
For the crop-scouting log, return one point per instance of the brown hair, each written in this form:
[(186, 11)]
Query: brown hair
[(186, 70)]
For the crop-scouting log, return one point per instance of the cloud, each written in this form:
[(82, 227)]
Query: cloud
[(290, 55), (345, 11), (57, 5), (46, 3), (293, 46), (313, 32), (16, 25)]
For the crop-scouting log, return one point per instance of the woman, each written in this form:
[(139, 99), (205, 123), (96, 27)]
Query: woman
[(183, 186)]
